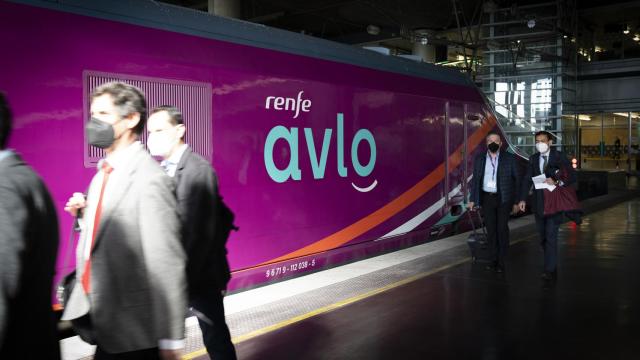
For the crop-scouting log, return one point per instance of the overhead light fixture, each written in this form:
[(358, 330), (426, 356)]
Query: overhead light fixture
[(421, 36), (636, 38), (573, 39), (450, 63), (598, 49), (582, 117), (633, 115), (531, 23), (626, 30), (565, 36)]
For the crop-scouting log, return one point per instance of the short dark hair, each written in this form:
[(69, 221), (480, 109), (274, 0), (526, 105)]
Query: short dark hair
[(127, 98), (175, 115), (493, 132), (5, 121), (545, 133)]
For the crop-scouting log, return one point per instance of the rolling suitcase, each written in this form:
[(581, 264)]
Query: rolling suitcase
[(478, 242)]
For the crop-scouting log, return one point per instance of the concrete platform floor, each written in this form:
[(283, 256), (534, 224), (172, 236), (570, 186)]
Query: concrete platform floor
[(465, 312)]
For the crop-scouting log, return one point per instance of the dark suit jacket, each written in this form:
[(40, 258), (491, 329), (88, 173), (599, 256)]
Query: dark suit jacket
[(28, 248), (508, 177), (556, 160), (197, 193)]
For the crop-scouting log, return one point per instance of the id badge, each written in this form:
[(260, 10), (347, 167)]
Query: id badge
[(491, 184)]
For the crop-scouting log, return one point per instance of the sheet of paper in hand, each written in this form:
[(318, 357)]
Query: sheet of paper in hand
[(539, 182)]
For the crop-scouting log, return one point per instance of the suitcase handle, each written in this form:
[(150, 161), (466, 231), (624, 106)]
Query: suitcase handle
[(473, 225)]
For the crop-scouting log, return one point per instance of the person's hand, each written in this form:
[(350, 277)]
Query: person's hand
[(515, 209), (522, 206), (470, 205), (169, 354), (76, 202), (550, 181)]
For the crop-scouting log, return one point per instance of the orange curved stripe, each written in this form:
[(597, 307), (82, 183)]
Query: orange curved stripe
[(392, 208)]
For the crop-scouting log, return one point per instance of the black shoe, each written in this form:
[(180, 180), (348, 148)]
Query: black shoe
[(492, 266), (575, 216)]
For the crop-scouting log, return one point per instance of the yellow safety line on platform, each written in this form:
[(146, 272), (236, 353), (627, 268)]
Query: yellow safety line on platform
[(337, 305)]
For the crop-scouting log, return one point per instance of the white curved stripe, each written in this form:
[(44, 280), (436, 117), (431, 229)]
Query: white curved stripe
[(423, 216), (417, 220), (368, 188)]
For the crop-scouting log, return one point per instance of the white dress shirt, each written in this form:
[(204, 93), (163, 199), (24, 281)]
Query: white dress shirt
[(5, 154), (490, 179), (541, 161), (171, 164), (116, 160)]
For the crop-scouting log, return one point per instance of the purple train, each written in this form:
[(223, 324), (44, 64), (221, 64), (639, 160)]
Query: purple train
[(326, 153)]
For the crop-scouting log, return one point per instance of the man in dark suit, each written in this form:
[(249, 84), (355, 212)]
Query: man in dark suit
[(28, 248), (494, 187), (540, 163), (130, 264), (198, 204)]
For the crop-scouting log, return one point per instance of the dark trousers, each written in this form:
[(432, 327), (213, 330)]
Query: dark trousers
[(215, 333), (548, 230), (146, 354), (496, 219)]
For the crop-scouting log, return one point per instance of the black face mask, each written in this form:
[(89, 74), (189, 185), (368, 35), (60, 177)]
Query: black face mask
[(99, 133), (493, 147)]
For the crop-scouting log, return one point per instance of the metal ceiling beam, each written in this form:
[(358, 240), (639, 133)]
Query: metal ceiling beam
[(525, 7), (521, 35), (363, 37), (520, 21), (267, 17)]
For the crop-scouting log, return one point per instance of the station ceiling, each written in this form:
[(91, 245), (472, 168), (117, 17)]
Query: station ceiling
[(395, 22)]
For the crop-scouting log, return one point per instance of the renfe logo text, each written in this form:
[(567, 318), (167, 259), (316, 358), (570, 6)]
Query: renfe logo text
[(290, 104)]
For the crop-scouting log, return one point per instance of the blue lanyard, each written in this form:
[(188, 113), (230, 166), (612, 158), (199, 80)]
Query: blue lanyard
[(493, 165)]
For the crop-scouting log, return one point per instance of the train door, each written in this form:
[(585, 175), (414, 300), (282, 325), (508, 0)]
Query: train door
[(456, 155), (473, 121)]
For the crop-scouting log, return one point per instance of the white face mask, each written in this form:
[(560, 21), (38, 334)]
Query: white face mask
[(542, 147), (161, 143)]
